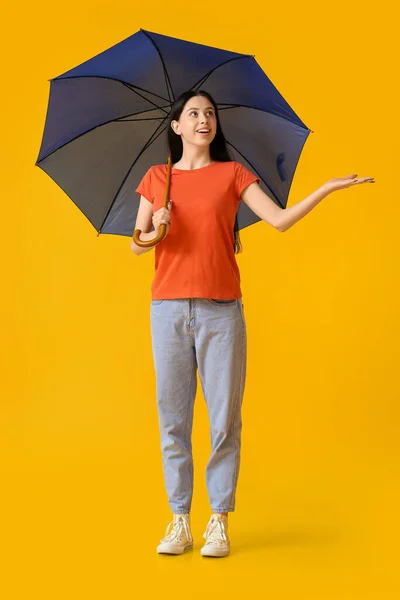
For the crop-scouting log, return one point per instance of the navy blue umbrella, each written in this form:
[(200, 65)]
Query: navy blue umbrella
[(106, 121)]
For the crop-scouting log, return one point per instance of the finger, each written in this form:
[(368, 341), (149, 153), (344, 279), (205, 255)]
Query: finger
[(364, 180)]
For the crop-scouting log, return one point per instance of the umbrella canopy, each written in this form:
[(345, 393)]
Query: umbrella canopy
[(106, 123)]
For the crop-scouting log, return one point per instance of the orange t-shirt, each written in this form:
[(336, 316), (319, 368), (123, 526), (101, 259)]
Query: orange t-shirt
[(196, 259)]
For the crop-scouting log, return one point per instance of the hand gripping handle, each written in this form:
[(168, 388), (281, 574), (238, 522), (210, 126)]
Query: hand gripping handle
[(163, 226)]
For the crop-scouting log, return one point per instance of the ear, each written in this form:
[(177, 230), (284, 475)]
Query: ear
[(175, 127)]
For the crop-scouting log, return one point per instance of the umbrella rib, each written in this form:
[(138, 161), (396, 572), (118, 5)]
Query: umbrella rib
[(202, 79), (147, 144), (123, 119), (133, 88), (130, 86), (167, 78), (267, 112), (258, 173), (139, 113), (99, 125)]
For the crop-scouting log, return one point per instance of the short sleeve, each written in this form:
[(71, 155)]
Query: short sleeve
[(243, 178), (144, 188)]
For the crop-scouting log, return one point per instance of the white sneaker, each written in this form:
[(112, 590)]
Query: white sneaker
[(216, 535), (178, 536)]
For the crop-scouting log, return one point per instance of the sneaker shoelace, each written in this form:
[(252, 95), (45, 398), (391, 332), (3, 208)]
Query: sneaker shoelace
[(215, 532), (175, 529)]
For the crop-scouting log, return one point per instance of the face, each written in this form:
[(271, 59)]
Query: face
[(198, 113)]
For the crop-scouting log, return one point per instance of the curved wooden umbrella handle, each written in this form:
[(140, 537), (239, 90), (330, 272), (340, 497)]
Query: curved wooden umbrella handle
[(163, 227)]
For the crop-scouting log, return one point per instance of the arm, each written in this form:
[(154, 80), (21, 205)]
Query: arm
[(283, 218), (144, 222), (280, 218), (294, 213), (290, 216)]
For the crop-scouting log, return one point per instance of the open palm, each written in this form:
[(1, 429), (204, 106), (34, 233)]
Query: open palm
[(340, 183)]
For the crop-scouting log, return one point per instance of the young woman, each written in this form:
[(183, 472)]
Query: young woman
[(197, 317)]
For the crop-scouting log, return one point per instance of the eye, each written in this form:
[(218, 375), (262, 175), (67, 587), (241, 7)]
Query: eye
[(195, 111)]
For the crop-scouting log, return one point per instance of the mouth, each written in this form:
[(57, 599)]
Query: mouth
[(205, 132)]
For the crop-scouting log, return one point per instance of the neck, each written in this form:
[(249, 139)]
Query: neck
[(194, 158)]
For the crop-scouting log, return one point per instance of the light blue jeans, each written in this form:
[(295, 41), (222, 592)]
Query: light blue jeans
[(208, 335)]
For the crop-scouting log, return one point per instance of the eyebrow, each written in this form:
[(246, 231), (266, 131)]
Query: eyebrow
[(195, 108)]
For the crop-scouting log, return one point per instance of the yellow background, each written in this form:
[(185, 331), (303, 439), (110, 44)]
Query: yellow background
[(83, 504)]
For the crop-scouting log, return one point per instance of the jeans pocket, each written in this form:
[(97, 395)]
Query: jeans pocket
[(222, 302)]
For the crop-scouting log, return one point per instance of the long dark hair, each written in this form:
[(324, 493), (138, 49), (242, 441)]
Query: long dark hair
[(218, 148)]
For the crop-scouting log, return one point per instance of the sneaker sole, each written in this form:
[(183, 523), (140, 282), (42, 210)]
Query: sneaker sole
[(171, 549), (216, 553)]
